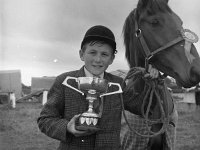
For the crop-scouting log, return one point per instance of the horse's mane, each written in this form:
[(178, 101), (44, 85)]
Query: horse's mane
[(129, 39), (131, 45)]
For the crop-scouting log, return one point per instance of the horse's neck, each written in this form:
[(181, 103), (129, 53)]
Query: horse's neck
[(137, 86)]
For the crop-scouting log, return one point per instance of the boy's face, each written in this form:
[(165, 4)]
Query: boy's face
[(97, 57)]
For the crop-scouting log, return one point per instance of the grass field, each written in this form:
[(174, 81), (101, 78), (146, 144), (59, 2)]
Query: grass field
[(19, 131)]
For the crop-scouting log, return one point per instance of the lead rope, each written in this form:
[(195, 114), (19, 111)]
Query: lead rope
[(150, 87)]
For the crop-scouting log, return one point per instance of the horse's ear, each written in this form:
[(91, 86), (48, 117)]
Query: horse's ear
[(142, 3), (167, 1)]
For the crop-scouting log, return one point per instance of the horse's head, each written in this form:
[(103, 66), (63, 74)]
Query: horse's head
[(154, 32)]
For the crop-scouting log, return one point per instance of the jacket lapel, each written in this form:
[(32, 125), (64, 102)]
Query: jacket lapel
[(81, 72)]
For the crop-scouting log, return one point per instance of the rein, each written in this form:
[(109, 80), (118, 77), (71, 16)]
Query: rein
[(149, 89)]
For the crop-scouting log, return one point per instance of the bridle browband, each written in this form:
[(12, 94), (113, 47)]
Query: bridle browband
[(148, 53)]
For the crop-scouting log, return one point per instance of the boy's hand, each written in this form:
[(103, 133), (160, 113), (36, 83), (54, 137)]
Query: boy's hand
[(71, 128), (152, 73)]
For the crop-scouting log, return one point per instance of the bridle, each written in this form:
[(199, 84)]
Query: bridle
[(186, 34)]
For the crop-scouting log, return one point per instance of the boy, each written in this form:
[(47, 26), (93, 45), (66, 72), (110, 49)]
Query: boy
[(64, 105)]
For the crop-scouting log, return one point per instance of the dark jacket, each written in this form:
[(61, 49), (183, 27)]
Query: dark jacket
[(63, 103)]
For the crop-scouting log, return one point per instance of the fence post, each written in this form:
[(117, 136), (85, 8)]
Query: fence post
[(12, 99), (44, 97)]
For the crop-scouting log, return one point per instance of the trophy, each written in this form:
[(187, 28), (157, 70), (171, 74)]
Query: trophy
[(93, 88)]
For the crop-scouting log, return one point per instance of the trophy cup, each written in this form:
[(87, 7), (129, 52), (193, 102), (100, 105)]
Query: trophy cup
[(93, 88)]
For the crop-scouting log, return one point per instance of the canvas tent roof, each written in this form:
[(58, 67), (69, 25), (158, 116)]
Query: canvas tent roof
[(41, 83), (120, 73), (10, 81)]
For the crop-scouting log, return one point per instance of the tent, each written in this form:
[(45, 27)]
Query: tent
[(41, 83), (10, 82)]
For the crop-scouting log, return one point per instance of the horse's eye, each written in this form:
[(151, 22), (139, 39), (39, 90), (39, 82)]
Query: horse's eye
[(154, 22)]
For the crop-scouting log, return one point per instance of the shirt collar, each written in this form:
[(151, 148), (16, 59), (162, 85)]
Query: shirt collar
[(88, 74)]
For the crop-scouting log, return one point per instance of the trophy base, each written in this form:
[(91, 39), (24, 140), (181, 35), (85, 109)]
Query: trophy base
[(86, 128)]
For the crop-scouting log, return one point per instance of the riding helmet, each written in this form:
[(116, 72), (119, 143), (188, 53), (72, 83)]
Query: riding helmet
[(100, 33)]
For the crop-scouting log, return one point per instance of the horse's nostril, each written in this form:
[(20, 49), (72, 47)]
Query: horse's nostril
[(195, 75)]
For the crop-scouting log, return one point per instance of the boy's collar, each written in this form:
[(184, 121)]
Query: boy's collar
[(88, 74)]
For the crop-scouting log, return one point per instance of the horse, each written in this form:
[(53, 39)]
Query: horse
[(154, 34)]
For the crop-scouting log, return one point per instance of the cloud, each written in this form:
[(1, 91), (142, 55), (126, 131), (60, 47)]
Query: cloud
[(36, 32)]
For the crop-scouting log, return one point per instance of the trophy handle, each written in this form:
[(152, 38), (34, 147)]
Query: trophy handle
[(115, 92), (66, 84)]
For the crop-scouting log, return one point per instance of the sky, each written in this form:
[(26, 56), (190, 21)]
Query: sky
[(43, 37)]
